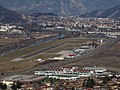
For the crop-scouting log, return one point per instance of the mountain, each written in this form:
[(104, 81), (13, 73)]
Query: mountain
[(61, 7), (113, 12), (43, 14), (8, 16), (93, 5)]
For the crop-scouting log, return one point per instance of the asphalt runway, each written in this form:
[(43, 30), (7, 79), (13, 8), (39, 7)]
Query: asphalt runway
[(36, 52)]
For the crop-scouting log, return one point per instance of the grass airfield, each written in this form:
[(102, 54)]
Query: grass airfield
[(6, 65)]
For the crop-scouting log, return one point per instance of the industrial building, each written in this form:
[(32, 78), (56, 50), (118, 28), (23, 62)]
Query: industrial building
[(64, 73), (70, 73)]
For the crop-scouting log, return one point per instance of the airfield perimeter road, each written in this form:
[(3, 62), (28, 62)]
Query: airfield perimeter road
[(98, 50)]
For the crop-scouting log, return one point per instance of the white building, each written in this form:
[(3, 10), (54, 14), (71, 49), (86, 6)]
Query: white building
[(64, 73), (96, 69)]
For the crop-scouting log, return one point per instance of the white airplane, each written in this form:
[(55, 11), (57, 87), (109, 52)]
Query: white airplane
[(40, 60)]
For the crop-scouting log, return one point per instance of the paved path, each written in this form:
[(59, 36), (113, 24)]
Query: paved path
[(64, 53)]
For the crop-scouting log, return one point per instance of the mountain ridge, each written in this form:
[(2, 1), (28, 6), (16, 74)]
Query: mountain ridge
[(60, 7), (8, 16), (113, 12)]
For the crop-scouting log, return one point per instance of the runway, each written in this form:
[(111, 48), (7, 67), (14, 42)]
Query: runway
[(36, 52)]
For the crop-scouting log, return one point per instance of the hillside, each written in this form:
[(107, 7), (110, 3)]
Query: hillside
[(43, 14), (8, 16), (60, 7), (113, 12)]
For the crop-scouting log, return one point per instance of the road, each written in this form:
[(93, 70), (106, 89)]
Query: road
[(103, 47)]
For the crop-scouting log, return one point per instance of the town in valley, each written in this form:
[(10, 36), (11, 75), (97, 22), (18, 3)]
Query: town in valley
[(54, 51)]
